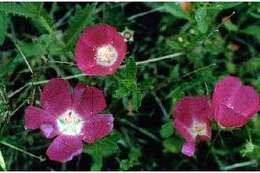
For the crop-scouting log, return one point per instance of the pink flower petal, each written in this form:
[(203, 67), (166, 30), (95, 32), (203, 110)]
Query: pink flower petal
[(64, 148), (88, 101), (233, 104), (98, 127), (228, 118), (188, 149), (259, 104), (188, 110), (37, 118), (100, 70), (97, 35), (49, 130), (84, 55), (56, 97)]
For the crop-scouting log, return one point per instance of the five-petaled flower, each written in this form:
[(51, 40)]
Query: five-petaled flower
[(192, 117), (233, 103), (100, 50), (71, 116)]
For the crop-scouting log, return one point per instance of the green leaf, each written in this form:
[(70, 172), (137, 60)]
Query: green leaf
[(130, 69), (21, 9), (166, 130), (201, 19), (136, 99), (3, 27), (175, 73), (223, 5), (2, 162), (30, 10), (121, 92), (248, 149), (252, 30), (175, 10), (102, 148), (10, 66), (172, 145), (231, 26), (82, 18), (133, 159)]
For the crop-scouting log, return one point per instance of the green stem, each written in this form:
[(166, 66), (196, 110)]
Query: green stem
[(141, 130), (22, 151), (240, 165), (82, 74), (145, 13)]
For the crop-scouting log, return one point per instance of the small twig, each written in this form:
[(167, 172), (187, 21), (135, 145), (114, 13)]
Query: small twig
[(61, 62), (18, 107), (144, 13), (240, 165), (217, 28), (23, 56), (197, 70), (159, 58), (41, 158), (143, 131), (61, 20), (159, 102)]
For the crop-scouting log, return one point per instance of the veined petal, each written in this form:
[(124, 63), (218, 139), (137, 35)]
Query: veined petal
[(88, 101)]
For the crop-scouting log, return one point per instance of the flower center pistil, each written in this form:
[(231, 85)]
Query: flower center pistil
[(106, 55), (70, 123), (198, 129)]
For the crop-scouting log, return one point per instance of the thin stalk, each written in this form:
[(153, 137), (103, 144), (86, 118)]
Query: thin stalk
[(82, 74), (240, 165), (141, 130), (144, 13), (22, 151)]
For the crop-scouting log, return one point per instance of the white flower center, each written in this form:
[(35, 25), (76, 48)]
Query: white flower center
[(198, 129), (106, 55), (70, 123)]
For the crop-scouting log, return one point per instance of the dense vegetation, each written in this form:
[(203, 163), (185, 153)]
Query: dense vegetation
[(178, 49)]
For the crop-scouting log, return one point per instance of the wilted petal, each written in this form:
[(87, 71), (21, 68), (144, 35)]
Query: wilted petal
[(64, 148), (88, 101), (56, 97), (188, 149), (97, 127)]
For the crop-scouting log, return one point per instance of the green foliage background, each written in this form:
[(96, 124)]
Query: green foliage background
[(174, 53)]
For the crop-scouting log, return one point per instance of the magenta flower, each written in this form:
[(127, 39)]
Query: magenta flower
[(70, 116), (233, 103), (100, 50), (192, 117)]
